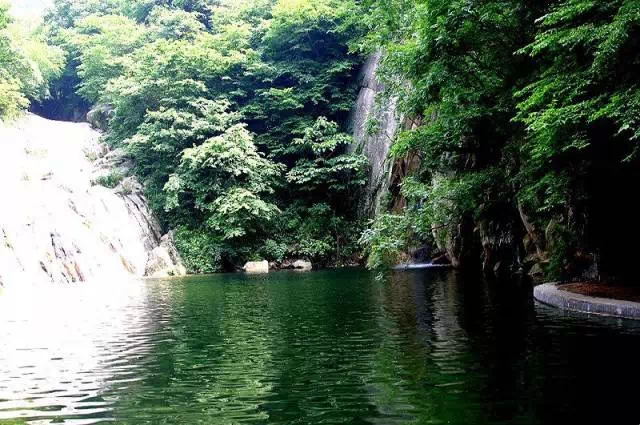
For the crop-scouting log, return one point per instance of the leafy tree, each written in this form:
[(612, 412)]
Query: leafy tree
[(324, 167), (27, 64), (103, 45), (209, 98), (581, 113), (225, 178), (12, 100)]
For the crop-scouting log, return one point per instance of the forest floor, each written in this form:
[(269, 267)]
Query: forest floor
[(601, 290)]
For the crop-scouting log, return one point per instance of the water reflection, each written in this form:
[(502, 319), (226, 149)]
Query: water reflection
[(62, 348), (333, 347)]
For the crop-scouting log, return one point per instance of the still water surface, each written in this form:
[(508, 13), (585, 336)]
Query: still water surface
[(331, 347)]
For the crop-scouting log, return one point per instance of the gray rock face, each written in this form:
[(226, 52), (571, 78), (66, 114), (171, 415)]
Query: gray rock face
[(164, 260), (100, 116), (63, 229), (374, 123), (256, 267)]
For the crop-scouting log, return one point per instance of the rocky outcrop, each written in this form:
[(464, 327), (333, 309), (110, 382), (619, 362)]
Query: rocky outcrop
[(56, 226), (99, 116), (164, 260), (256, 267), (302, 265), (374, 123)]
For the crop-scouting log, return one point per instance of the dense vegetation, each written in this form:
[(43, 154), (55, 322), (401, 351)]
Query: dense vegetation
[(27, 64), (524, 123), (529, 130), (234, 114)]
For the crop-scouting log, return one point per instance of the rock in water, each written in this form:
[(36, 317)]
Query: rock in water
[(58, 227), (257, 267), (303, 265)]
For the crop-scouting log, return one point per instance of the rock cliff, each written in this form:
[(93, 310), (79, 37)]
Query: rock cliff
[(58, 225), (374, 123)]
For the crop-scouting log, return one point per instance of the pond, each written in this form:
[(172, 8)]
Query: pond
[(329, 347)]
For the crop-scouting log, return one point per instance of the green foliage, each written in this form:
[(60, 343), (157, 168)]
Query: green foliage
[(452, 65), (317, 233), (234, 115), (322, 165), (226, 178), (307, 72), (519, 105), (385, 240), (27, 64), (110, 180), (102, 44), (273, 250), (591, 56), (201, 251)]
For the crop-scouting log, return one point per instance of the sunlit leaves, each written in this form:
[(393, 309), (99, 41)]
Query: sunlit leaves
[(227, 178), (324, 164), (27, 64)]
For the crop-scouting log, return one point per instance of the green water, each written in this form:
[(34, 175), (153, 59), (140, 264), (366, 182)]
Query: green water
[(334, 347)]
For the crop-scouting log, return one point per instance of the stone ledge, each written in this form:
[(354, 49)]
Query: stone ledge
[(549, 293)]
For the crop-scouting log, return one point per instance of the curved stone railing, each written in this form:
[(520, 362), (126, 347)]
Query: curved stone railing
[(550, 294)]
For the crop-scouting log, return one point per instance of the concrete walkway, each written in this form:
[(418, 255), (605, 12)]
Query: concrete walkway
[(549, 293)]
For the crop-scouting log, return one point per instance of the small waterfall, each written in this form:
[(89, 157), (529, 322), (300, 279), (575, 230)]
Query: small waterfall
[(56, 226), (374, 123)]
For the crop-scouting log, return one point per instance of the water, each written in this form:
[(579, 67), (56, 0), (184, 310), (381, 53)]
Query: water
[(56, 225), (334, 347)]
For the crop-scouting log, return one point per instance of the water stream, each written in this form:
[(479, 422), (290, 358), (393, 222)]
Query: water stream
[(58, 226)]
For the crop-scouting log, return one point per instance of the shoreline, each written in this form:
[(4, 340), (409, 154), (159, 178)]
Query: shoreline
[(551, 294)]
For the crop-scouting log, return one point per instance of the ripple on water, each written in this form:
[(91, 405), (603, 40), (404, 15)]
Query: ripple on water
[(319, 348)]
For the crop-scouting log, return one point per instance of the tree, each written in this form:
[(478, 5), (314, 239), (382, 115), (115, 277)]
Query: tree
[(324, 166), (265, 83), (27, 64), (581, 113), (225, 178)]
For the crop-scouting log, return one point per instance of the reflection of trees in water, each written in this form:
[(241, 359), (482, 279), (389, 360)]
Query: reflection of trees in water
[(468, 351), (325, 349), (459, 355), (328, 347), (421, 360), (212, 357), (286, 350)]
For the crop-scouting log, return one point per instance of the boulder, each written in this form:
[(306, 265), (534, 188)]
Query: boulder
[(536, 271), (256, 267), (302, 265), (158, 264), (164, 260), (99, 116)]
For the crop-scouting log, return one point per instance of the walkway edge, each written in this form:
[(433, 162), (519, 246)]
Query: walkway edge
[(548, 293)]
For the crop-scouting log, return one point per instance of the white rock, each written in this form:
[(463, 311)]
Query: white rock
[(303, 265), (257, 267), (63, 229)]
